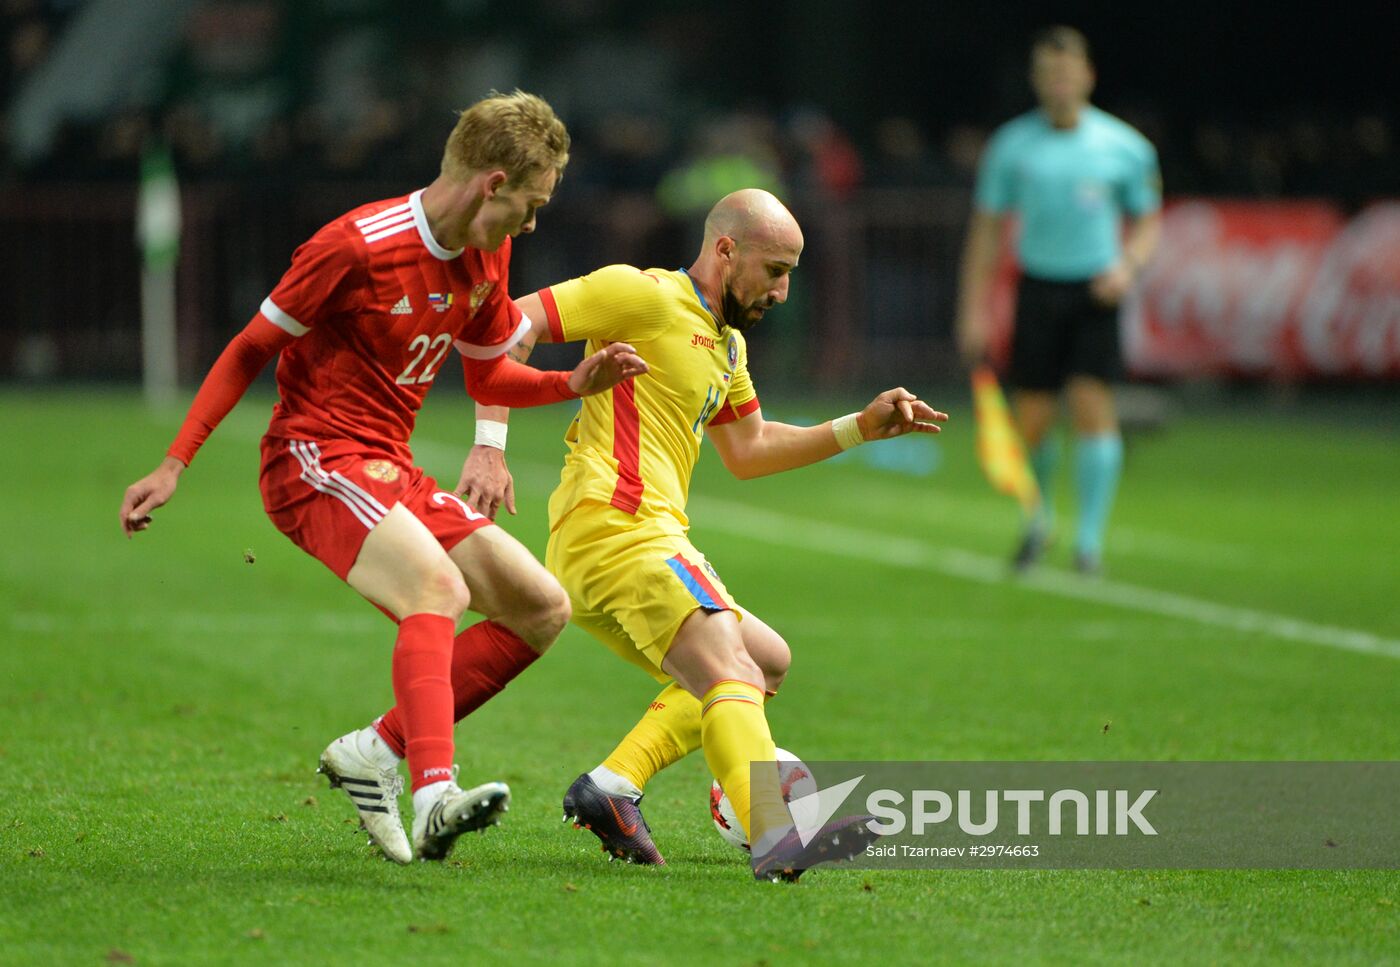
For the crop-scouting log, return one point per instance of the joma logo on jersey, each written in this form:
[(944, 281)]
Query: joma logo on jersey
[(704, 342)]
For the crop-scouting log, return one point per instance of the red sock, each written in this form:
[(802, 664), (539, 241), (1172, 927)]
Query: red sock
[(485, 658), (423, 689)]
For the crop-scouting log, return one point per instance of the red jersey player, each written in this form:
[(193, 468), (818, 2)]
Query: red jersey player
[(363, 320)]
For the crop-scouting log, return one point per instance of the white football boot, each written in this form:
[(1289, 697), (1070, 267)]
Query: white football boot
[(457, 811), (373, 789)]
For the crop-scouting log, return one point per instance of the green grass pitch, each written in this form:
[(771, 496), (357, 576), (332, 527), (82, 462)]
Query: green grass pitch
[(165, 701)]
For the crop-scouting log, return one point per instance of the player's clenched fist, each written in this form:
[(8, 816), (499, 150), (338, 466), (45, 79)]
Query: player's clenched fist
[(605, 369), (896, 412)]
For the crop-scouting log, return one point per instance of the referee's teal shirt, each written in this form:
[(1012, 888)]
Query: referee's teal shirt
[(1070, 188)]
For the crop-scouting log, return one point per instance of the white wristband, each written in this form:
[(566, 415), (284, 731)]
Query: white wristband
[(491, 433), (847, 430)]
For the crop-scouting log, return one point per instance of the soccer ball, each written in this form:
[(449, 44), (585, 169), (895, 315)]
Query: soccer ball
[(797, 782)]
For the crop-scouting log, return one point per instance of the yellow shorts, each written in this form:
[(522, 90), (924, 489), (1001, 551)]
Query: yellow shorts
[(632, 580)]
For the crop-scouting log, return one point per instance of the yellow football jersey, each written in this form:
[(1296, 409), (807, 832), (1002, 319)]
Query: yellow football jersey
[(634, 447)]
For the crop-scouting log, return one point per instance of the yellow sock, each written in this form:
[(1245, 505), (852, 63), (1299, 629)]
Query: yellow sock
[(668, 731), (734, 732)]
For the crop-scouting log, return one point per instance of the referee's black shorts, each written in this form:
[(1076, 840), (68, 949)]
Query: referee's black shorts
[(1062, 331)]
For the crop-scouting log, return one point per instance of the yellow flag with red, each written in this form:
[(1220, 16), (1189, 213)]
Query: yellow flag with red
[(999, 448)]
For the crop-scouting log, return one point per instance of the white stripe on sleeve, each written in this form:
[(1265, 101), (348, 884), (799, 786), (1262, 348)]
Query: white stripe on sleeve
[(281, 320), (473, 351)]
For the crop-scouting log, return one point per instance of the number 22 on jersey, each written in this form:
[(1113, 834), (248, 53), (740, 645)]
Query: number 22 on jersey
[(422, 346)]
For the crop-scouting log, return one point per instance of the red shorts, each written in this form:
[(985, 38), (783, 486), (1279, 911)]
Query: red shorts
[(328, 496)]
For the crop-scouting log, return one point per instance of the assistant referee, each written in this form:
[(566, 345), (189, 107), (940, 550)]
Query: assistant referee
[(1074, 176)]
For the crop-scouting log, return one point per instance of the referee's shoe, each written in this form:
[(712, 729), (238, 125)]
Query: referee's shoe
[(1032, 549)]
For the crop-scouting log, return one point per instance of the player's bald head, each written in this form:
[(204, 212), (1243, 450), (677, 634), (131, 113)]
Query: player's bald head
[(753, 217), (752, 244)]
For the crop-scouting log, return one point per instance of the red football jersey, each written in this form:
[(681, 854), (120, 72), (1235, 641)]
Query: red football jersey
[(376, 304)]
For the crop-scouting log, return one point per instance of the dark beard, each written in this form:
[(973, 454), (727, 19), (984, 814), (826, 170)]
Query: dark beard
[(734, 315)]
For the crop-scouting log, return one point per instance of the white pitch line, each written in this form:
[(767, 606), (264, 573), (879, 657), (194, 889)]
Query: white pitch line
[(836, 540), (842, 541)]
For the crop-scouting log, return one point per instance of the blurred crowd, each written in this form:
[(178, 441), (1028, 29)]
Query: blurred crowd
[(342, 89)]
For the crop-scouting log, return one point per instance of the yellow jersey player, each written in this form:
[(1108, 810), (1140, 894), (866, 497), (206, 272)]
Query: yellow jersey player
[(618, 527)]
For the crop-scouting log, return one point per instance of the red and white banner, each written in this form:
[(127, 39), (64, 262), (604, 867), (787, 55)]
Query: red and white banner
[(1278, 290), (1269, 289)]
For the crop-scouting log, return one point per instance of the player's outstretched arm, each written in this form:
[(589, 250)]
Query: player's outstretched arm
[(504, 382), (754, 447), (234, 371)]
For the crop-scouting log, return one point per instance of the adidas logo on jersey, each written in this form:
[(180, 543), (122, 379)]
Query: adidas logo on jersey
[(401, 308)]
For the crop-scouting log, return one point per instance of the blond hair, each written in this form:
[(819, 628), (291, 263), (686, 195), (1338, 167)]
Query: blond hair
[(517, 133)]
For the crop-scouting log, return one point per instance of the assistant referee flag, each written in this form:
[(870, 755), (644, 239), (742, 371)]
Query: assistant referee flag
[(999, 447)]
